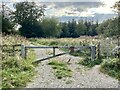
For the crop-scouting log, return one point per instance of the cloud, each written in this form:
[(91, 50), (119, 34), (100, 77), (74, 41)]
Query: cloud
[(69, 0), (105, 9), (79, 8), (109, 3), (51, 0), (69, 8)]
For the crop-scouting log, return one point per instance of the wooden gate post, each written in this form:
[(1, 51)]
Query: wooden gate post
[(72, 49), (98, 51), (13, 50), (93, 52), (53, 51), (23, 51)]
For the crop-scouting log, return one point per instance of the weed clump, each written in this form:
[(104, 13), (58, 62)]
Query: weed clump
[(61, 69), (111, 67), (90, 63)]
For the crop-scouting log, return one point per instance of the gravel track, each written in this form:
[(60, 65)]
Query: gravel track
[(81, 76)]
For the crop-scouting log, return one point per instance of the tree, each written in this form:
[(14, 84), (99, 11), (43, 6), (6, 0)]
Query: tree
[(7, 24), (27, 11), (50, 27), (64, 30), (31, 30), (92, 30), (0, 23), (117, 5), (81, 28), (88, 25), (102, 28), (72, 28), (27, 15)]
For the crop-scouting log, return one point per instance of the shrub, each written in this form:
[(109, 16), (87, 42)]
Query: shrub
[(111, 67), (90, 63)]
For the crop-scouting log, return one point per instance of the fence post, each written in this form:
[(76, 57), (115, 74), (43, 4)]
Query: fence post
[(98, 51), (93, 52), (53, 51), (118, 47), (23, 51), (13, 50), (72, 49)]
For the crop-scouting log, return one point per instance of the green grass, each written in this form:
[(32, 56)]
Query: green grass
[(90, 63), (17, 71), (61, 69), (111, 67)]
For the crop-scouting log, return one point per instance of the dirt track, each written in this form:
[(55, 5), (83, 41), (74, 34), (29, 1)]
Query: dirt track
[(81, 76)]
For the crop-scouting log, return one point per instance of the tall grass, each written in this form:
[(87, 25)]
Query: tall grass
[(16, 71), (65, 41)]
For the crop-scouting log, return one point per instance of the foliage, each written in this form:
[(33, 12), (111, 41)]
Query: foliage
[(16, 71), (81, 28), (7, 27), (117, 5), (90, 63), (61, 69), (27, 15), (6, 24), (50, 27), (5, 21), (31, 30), (109, 28), (27, 11), (111, 67), (74, 29), (64, 30)]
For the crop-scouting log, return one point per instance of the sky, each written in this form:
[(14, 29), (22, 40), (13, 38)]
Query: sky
[(73, 8)]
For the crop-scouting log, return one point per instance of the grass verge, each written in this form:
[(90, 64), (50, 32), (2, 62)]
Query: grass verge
[(111, 67), (16, 72), (61, 69)]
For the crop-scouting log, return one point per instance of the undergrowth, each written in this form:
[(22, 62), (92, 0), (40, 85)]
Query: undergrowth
[(90, 63), (16, 71), (111, 67)]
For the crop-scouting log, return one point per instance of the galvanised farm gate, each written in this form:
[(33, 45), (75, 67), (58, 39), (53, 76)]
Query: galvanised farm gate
[(94, 50), (71, 49)]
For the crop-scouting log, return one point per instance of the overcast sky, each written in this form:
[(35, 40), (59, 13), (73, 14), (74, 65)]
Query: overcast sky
[(80, 8)]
